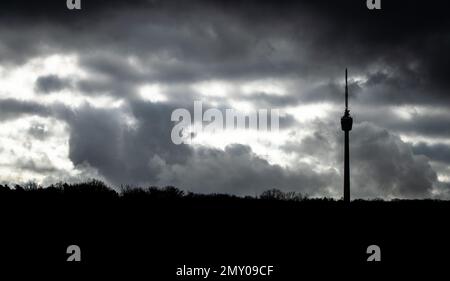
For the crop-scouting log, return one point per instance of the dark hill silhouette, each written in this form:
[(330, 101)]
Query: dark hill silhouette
[(161, 228)]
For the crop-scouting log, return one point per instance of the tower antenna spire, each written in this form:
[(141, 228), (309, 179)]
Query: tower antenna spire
[(346, 91)]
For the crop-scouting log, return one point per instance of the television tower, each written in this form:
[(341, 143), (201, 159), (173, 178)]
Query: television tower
[(346, 125)]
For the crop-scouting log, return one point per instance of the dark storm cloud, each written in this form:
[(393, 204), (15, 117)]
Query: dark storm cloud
[(145, 154), (52, 83), (56, 10), (112, 67), (111, 74), (400, 53), (438, 152), (13, 109), (383, 161), (430, 123), (318, 144), (122, 153), (382, 165), (96, 139), (435, 125), (180, 41), (238, 170), (142, 153)]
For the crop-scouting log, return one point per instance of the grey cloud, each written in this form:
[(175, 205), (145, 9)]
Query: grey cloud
[(12, 109), (145, 155), (111, 66), (106, 86), (38, 131), (41, 165), (384, 165), (52, 83), (444, 191), (271, 100), (430, 123), (437, 152), (175, 43), (96, 139), (102, 139), (319, 144), (238, 170), (433, 125)]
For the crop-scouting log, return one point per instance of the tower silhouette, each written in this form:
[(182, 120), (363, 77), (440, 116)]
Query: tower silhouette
[(346, 125)]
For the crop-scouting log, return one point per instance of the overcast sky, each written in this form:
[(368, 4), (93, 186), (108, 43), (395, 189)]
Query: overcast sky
[(90, 94)]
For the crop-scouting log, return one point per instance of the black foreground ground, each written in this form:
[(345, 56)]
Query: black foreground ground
[(157, 231)]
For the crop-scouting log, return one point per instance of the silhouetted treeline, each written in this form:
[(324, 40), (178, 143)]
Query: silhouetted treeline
[(98, 190), (167, 227)]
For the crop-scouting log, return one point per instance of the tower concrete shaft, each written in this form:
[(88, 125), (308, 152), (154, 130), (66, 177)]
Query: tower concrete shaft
[(346, 169), (346, 125)]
